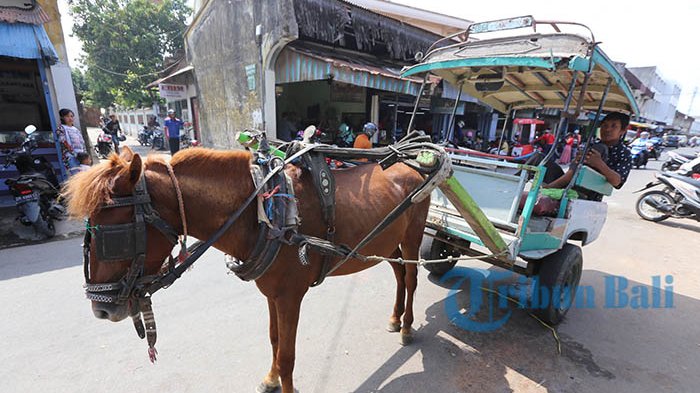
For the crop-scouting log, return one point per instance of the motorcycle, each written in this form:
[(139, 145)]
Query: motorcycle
[(680, 197), (145, 136), (36, 190), (675, 160), (104, 145), (157, 139), (640, 155), (187, 141)]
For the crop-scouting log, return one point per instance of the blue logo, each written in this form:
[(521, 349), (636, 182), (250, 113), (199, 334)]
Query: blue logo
[(491, 301)]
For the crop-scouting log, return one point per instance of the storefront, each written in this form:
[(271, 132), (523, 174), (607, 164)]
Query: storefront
[(179, 92), (27, 94), (319, 87)]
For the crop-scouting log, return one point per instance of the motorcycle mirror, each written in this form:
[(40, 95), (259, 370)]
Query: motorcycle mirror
[(308, 133), (30, 129)]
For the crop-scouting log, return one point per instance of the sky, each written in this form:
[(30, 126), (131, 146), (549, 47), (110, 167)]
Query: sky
[(640, 33)]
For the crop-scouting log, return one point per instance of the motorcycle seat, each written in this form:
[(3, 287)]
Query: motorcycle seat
[(686, 179)]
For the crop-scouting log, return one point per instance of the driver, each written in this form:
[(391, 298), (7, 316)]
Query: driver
[(363, 141), (616, 166)]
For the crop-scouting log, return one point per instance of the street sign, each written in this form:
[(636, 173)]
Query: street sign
[(172, 92)]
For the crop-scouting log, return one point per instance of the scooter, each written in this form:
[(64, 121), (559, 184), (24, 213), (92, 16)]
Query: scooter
[(36, 190), (144, 136), (157, 139), (675, 160), (680, 197), (104, 145), (640, 155)]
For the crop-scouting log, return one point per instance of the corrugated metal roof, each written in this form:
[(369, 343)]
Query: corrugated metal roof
[(298, 65), (26, 41), (35, 16)]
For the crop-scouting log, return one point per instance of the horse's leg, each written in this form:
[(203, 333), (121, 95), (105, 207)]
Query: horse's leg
[(411, 279), (287, 322), (399, 273), (272, 380), (409, 250)]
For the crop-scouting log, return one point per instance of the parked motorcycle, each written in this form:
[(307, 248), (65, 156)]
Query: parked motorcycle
[(680, 197), (157, 139), (675, 160), (186, 140), (145, 135), (104, 145), (36, 190)]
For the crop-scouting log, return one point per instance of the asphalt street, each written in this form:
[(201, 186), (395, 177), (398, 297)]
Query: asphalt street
[(213, 327)]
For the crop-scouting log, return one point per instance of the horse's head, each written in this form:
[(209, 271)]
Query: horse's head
[(122, 247)]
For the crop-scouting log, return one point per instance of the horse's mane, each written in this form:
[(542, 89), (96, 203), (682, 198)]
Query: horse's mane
[(87, 191)]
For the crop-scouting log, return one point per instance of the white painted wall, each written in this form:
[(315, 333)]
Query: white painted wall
[(63, 89)]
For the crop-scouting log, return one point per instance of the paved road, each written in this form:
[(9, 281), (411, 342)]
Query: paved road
[(213, 328)]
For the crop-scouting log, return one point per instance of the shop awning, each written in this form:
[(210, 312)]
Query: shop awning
[(528, 121), (643, 125), (302, 65), (179, 71), (26, 41)]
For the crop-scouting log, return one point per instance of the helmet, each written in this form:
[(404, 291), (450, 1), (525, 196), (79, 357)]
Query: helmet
[(171, 111), (369, 129), (644, 135)]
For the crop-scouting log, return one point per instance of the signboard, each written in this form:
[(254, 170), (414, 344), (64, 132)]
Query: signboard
[(250, 76), (443, 106), (172, 92)]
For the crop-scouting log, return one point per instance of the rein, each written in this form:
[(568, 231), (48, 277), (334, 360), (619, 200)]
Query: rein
[(129, 240)]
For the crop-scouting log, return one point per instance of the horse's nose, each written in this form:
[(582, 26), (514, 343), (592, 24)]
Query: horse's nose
[(113, 312)]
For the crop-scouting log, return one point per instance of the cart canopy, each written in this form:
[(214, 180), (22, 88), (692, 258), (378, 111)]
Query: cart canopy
[(527, 70)]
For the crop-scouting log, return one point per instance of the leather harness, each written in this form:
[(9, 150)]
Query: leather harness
[(274, 192)]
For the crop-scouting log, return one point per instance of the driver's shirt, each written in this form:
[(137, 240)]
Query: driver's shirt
[(620, 161)]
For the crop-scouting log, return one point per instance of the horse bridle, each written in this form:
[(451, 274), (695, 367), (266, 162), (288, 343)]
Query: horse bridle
[(121, 242)]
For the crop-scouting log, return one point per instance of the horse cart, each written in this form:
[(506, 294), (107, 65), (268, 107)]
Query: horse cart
[(137, 210), (490, 201)]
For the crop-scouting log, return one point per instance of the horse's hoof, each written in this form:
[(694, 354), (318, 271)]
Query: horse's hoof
[(393, 327), (406, 337), (264, 388)]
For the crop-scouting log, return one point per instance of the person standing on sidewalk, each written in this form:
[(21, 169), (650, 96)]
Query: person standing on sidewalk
[(71, 141), (172, 126)]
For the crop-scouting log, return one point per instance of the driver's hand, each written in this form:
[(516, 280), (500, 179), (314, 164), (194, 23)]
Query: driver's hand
[(594, 159)]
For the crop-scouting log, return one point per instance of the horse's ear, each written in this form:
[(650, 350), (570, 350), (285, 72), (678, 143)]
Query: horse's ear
[(135, 168), (126, 154)]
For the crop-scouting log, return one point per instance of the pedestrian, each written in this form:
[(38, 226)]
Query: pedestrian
[(71, 141), (566, 152), (114, 128), (172, 126), (546, 140), (85, 161), (575, 145)]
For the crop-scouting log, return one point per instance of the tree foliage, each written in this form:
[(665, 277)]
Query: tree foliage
[(125, 43)]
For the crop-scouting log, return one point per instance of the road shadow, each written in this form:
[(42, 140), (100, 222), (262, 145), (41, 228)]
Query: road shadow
[(24, 261), (602, 348), (683, 225)]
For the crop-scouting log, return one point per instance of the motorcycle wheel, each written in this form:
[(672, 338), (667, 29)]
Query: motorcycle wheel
[(45, 226), (158, 144), (649, 212)]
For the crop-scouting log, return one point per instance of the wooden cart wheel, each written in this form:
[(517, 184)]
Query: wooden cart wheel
[(560, 274)]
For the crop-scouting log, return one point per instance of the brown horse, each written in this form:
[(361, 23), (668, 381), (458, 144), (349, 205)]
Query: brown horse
[(214, 184)]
